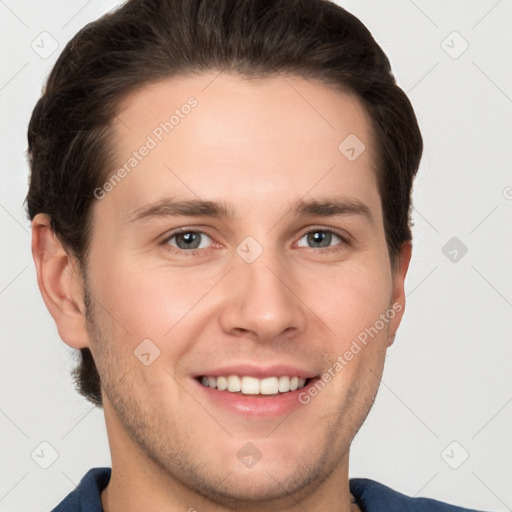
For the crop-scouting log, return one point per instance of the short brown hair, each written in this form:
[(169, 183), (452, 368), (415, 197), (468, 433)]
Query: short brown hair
[(144, 41)]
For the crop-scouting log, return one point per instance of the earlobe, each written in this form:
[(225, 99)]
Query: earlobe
[(398, 302), (60, 283)]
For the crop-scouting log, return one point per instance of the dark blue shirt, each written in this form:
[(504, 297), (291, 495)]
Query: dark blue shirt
[(370, 495)]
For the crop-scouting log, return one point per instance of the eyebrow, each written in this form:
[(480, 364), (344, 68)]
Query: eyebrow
[(169, 207), (329, 207), (333, 207)]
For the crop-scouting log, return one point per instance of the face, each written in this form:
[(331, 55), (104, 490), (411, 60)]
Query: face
[(244, 247)]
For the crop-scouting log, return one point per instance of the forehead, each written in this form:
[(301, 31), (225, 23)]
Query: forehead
[(253, 141)]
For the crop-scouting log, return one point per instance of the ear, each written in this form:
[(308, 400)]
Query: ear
[(60, 282), (398, 300)]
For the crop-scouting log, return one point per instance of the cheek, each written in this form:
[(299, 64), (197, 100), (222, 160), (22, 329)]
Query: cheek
[(150, 301), (352, 299), (352, 306)]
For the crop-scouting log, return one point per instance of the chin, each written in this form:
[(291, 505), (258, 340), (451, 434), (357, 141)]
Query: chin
[(266, 470), (248, 488)]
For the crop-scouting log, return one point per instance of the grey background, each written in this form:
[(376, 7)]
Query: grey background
[(446, 392)]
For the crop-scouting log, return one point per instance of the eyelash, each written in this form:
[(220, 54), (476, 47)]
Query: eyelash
[(165, 243)]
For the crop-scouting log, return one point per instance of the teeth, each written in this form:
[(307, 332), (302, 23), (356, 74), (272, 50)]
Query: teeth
[(222, 383), (269, 386), (250, 386), (284, 384), (234, 384), (253, 386)]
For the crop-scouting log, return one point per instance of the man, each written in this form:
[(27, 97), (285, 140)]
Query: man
[(220, 198)]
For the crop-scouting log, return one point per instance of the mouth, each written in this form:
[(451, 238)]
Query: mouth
[(249, 385), (255, 394)]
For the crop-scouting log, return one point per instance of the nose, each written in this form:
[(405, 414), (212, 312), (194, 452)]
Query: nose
[(260, 300)]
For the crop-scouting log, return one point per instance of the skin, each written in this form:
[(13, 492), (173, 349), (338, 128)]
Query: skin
[(260, 146)]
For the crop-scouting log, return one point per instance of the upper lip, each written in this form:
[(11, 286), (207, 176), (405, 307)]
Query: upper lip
[(260, 372)]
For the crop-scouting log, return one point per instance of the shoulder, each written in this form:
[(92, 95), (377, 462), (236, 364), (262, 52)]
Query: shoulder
[(86, 496), (376, 497)]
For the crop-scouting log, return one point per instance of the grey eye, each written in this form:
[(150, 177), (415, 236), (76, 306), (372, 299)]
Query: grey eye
[(189, 240), (319, 238)]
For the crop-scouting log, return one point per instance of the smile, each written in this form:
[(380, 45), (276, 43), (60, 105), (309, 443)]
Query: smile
[(248, 385)]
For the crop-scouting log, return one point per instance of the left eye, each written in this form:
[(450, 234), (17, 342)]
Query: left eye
[(189, 240), (319, 238)]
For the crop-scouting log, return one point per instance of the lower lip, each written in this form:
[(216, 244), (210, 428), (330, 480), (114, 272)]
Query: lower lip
[(261, 406)]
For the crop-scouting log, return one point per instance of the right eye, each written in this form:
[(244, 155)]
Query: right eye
[(186, 240)]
